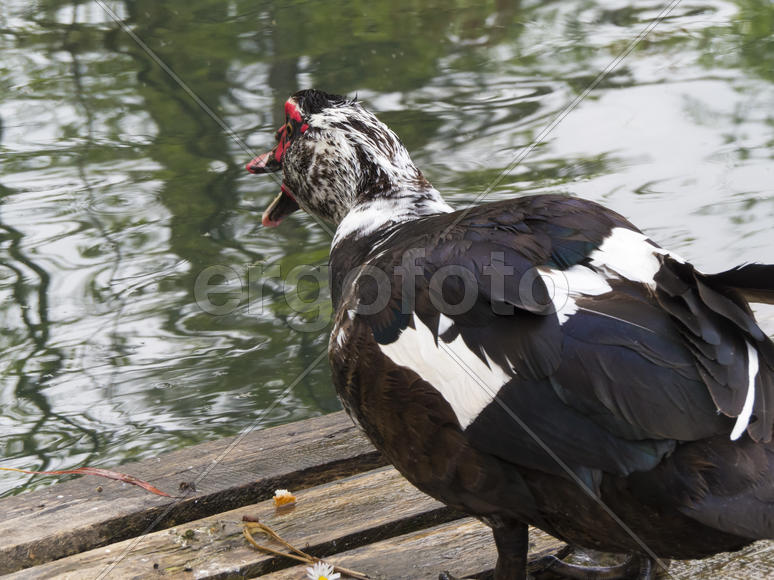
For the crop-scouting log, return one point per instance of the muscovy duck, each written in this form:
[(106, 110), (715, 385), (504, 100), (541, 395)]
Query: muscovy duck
[(537, 360)]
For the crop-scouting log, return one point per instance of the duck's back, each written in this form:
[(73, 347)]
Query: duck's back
[(541, 359)]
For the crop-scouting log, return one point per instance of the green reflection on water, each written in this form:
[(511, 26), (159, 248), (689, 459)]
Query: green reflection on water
[(118, 192)]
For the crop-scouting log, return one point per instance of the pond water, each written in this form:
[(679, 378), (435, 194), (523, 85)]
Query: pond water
[(123, 147)]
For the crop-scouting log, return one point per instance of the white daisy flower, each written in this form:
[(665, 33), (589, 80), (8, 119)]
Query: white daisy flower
[(321, 571)]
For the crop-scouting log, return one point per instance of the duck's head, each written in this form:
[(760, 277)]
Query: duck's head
[(336, 156)]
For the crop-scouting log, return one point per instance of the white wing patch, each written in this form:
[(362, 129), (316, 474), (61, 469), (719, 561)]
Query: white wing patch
[(341, 337), (466, 382), (743, 420), (629, 254), (444, 324), (565, 286)]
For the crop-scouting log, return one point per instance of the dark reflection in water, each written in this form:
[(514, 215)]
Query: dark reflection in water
[(118, 192)]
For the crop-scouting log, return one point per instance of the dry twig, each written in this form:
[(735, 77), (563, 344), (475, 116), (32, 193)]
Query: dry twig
[(249, 525)]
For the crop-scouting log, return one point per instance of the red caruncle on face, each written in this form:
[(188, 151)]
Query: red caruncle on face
[(285, 133)]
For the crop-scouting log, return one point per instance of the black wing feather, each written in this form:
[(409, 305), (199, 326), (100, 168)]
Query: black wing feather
[(629, 375)]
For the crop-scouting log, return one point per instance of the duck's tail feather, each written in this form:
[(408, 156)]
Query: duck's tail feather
[(719, 327), (754, 281)]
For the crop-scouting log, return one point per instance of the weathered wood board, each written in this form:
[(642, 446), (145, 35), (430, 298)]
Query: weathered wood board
[(462, 548), (350, 511), (337, 516), (466, 549), (73, 517), (755, 562)]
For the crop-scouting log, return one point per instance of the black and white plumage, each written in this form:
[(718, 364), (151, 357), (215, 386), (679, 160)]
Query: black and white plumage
[(529, 360)]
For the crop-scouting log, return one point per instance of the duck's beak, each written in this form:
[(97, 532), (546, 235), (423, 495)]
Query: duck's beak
[(284, 204), (265, 163)]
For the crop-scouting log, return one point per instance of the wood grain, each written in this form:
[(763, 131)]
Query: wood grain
[(330, 518), (463, 547), (73, 517), (466, 549), (372, 521)]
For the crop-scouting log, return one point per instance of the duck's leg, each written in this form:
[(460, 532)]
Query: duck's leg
[(512, 541)]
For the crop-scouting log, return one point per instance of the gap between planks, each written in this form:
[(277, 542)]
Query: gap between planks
[(73, 517), (337, 516)]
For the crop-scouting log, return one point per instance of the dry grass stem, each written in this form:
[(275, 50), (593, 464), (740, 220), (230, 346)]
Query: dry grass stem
[(249, 526)]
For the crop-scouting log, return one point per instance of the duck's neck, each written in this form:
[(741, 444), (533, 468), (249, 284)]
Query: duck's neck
[(396, 206)]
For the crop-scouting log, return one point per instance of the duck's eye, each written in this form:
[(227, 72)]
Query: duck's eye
[(288, 130)]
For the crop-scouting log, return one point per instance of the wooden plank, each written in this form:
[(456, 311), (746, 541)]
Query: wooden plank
[(755, 562), (337, 516), (73, 517), (465, 548)]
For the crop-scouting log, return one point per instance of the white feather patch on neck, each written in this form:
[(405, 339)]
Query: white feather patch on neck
[(367, 218)]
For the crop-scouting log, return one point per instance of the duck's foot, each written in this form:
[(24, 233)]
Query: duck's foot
[(538, 566), (636, 567), (534, 566)]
